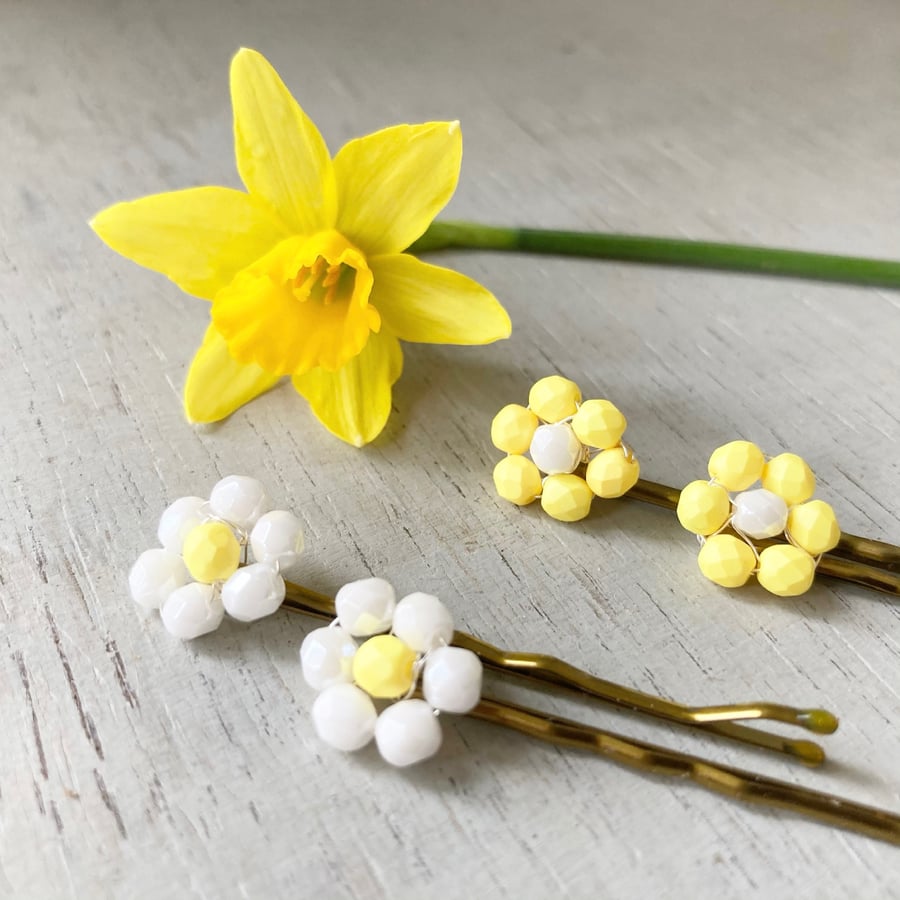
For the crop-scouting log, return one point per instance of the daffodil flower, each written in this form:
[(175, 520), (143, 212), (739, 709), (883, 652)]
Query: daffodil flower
[(305, 270)]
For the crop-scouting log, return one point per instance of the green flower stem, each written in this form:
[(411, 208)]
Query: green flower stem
[(661, 251)]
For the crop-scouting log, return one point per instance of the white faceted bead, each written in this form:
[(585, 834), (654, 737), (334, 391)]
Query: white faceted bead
[(344, 717), (555, 449), (365, 607), (421, 621), (178, 519), (408, 732), (759, 513), (252, 592), (452, 679), (277, 538), (326, 656), (239, 500), (192, 610), (155, 575)]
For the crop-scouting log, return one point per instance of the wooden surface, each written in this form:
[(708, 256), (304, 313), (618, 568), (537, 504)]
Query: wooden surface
[(135, 766)]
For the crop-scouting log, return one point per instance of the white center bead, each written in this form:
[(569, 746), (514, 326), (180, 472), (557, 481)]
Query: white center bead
[(277, 538), (408, 732), (344, 717), (452, 679), (326, 656), (422, 622), (365, 607), (239, 500), (759, 513), (253, 592), (192, 610), (180, 517), (555, 449), (155, 575)]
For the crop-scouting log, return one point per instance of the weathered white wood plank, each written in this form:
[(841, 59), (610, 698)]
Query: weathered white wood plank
[(137, 767)]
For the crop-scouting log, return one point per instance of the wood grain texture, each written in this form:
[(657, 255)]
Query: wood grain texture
[(134, 766)]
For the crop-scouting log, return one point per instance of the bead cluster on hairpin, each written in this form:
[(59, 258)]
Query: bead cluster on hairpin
[(575, 448), (197, 576), (727, 517), (403, 643)]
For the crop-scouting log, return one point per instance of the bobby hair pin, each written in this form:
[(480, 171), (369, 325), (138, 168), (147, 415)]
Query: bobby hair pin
[(377, 649), (565, 452)]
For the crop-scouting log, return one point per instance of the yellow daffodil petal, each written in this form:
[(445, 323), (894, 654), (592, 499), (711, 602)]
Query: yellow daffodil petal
[(391, 184), (281, 157), (354, 403), (432, 305), (199, 237), (304, 305), (217, 384)]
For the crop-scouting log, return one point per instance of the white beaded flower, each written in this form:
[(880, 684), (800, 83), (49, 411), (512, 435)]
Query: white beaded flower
[(403, 641), (196, 577)]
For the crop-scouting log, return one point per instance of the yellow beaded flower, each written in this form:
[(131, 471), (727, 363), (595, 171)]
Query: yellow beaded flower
[(575, 447), (727, 517)]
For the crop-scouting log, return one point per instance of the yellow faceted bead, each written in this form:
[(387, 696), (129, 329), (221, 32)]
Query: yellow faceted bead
[(566, 497), (611, 473), (703, 507), (517, 479), (598, 423), (814, 527), (737, 465), (726, 560), (785, 570), (383, 667), (513, 428), (790, 477), (554, 398), (211, 552)]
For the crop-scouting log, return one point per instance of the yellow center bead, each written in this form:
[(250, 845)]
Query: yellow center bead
[(611, 473), (737, 465), (598, 423), (383, 667), (554, 398), (726, 560), (703, 507), (513, 428), (566, 497), (517, 480), (785, 570), (814, 527), (211, 552), (790, 477)]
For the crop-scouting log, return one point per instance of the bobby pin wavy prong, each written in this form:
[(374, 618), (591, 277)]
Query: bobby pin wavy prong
[(202, 572), (720, 720)]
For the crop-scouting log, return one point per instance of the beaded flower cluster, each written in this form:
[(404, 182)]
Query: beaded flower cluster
[(403, 641), (196, 577), (575, 447), (727, 518)]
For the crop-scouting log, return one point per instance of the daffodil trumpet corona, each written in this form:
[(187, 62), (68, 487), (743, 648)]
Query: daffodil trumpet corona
[(727, 721)]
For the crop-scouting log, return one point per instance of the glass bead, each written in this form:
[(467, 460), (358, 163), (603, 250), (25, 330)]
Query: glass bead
[(422, 622), (612, 473), (211, 552), (785, 570), (513, 428), (239, 500), (736, 465), (517, 480), (408, 732), (154, 576), (178, 520), (566, 498), (554, 398), (555, 449), (326, 657), (599, 423), (790, 477), (452, 678), (253, 592), (344, 717), (191, 611), (277, 538), (383, 667), (366, 606), (759, 514), (726, 560), (703, 507), (814, 527)]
